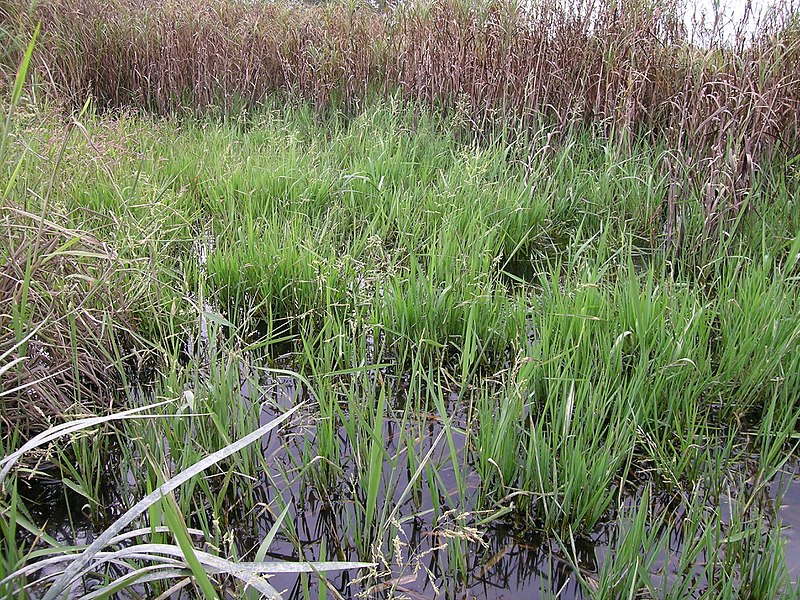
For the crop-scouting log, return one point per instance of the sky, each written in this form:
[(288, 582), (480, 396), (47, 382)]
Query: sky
[(734, 10)]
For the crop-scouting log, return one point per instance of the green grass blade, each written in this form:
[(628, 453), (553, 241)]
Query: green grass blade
[(178, 527)]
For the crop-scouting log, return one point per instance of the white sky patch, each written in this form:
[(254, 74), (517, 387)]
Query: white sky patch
[(724, 18)]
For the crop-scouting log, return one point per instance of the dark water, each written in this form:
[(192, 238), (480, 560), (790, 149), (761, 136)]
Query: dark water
[(499, 561)]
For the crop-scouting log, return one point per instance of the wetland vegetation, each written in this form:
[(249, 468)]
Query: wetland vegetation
[(448, 299)]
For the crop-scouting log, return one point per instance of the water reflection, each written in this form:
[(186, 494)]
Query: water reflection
[(432, 547)]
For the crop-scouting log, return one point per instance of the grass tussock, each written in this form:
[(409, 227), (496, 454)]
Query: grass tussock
[(62, 320)]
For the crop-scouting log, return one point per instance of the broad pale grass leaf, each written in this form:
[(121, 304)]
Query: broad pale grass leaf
[(84, 559)]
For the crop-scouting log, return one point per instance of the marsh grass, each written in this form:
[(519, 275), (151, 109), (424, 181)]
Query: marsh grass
[(723, 102), (63, 322), (483, 332)]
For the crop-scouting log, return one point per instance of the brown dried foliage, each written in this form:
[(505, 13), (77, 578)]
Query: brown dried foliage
[(170, 54), (627, 68), (57, 282)]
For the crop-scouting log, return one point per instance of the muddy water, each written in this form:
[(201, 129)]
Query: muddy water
[(500, 563), (506, 565), (787, 484)]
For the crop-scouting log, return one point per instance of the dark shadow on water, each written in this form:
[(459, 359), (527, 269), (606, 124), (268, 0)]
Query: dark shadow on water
[(60, 512)]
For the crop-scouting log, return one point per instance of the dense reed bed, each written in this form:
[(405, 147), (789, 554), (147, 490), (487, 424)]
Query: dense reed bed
[(311, 289)]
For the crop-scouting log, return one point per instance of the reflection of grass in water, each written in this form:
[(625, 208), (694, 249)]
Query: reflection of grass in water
[(436, 387)]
